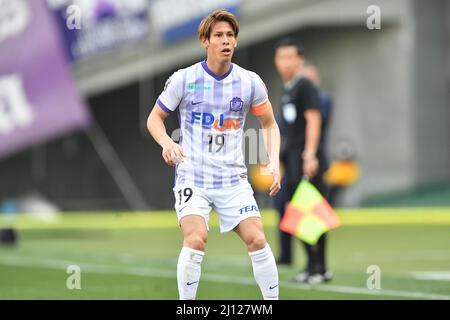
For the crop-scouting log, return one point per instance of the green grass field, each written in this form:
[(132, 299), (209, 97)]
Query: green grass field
[(133, 256)]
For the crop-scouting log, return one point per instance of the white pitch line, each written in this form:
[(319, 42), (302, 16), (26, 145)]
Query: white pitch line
[(148, 272), (431, 275), (435, 255)]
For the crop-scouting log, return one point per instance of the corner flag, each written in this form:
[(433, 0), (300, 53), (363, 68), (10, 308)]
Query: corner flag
[(308, 215)]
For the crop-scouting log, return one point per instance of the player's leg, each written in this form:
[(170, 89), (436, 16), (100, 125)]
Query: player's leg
[(319, 267), (265, 270), (294, 173), (195, 235), (239, 212), (285, 257), (193, 207)]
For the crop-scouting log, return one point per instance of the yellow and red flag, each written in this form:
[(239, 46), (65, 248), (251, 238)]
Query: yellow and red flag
[(308, 215)]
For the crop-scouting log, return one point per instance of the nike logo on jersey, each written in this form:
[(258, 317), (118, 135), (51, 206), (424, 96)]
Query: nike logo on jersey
[(196, 103), (271, 288), (191, 283)]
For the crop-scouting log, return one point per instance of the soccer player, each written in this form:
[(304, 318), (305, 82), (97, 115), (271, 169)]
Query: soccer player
[(212, 98)]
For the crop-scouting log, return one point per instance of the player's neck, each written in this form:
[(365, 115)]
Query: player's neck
[(217, 67), (292, 77)]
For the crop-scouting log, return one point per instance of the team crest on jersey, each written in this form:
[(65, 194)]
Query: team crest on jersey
[(236, 104)]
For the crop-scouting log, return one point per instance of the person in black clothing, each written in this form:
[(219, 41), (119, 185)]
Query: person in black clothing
[(325, 105), (302, 152)]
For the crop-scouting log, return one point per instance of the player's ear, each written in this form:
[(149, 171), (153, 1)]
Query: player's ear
[(205, 43)]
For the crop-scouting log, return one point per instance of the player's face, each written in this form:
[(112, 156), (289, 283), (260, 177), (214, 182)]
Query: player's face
[(288, 62), (221, 42)]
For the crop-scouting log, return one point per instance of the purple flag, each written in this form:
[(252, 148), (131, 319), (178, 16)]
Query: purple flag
[(38, 99)]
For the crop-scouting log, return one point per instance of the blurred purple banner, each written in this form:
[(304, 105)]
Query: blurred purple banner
[(93, 27), (38, 99)]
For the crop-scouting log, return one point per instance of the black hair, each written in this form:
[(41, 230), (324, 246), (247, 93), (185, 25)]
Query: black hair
[(288, 42)]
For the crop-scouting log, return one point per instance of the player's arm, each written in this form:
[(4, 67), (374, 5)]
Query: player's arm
[(313, 123), (312, 136), (271, 134), (172, 152)]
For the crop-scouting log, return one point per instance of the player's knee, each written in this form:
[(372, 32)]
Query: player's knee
[(196, 241), (257, 242)]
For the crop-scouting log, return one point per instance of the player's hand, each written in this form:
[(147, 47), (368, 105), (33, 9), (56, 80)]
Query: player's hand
[(173, 153), (274, 170), (310, 166)]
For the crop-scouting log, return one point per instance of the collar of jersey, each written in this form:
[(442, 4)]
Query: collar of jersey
[(291, 83), (215, 76)]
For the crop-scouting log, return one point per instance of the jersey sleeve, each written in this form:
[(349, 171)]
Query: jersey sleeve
[(310, 96), (172, 94), (260, 103)]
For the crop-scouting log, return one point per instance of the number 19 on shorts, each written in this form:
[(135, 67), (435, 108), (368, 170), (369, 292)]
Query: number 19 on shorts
[(184, 195)]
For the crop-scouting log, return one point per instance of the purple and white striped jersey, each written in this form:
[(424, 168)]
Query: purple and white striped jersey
[(211, 111)]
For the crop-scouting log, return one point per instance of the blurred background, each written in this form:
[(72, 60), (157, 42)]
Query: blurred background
[(78, 79), (390, 89)]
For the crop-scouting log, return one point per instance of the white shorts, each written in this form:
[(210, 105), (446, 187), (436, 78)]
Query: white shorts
[(233, 204)]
